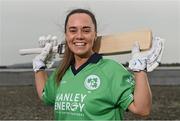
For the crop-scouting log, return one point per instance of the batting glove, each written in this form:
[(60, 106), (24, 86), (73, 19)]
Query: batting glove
[(138, 61), (155, 54), (46, 57), (147, 60)]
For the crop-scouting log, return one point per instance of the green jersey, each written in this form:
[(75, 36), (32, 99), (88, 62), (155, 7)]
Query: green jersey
[(101, 89)]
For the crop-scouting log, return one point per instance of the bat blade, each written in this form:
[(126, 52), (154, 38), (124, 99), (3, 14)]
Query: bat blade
[(123, 42), (110, 44)]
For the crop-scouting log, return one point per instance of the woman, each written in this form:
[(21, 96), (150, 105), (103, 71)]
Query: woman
[(87, 86)]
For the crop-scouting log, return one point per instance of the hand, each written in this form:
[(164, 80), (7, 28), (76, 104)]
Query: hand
[(46, 57), (147, 60), (49, 39)]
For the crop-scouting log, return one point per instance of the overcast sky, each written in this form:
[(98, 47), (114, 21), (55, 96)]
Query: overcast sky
[(23, 21)]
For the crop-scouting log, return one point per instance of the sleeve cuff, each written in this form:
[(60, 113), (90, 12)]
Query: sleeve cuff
[(127, 102)]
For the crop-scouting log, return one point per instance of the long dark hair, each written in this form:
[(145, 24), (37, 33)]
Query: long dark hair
[(68, 55)]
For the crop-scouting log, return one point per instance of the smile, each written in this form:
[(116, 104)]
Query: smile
[(79, 43)]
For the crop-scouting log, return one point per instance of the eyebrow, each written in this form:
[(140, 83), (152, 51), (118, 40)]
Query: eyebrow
[(84, 27), (74, 27)]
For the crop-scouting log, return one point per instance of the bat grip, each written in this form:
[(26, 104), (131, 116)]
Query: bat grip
[(35, 51), (56, 49)]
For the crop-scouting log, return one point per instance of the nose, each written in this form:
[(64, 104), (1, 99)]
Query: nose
[(79, 35)]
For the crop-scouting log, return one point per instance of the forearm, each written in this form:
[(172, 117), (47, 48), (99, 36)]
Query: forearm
[(40, 80), (148, 60), (44, 59), (142, 94)]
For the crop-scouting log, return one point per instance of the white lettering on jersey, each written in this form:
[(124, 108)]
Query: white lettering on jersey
[(70, 102)]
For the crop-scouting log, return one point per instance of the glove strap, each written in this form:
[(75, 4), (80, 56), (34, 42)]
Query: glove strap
[(40, 69)]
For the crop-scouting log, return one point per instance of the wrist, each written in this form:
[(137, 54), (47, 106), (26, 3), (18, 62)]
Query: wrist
[(140, 75), (40, 69), (139, 72), (38, 65)]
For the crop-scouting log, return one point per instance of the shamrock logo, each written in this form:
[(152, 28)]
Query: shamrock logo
[(92, 82)]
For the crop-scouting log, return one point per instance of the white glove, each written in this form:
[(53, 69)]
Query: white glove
[(49, 39), (155, 54), (147, 60), (138, 61), (46, 57)]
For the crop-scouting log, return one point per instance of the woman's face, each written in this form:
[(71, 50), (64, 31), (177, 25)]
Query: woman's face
[(80, 34)]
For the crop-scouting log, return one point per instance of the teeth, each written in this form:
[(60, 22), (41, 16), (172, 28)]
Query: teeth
[(79, 44)]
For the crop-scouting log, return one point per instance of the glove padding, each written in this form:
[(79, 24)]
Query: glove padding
[(147, 60), (46, 57), (49, 39)]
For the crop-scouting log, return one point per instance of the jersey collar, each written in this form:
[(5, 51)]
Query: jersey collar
[(94, 58)]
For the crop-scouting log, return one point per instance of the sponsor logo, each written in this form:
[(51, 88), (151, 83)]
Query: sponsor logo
[(130, 80), (73, 102), (92, 82)]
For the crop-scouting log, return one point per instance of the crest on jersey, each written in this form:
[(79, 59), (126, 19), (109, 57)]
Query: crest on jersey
[(92, 82)]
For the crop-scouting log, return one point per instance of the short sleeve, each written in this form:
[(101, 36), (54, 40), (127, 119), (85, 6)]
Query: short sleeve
[(49, 91), (126, 96), (123, 87)]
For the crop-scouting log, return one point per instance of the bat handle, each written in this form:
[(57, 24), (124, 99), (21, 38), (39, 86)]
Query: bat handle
[(34, 51), (56, 49), (30, 51)]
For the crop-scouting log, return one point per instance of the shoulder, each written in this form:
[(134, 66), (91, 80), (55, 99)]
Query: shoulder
[(53, 74), (52, 78), (112, 65), (106, 61), (112, 69)]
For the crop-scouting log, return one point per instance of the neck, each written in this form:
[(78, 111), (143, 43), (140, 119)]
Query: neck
[(80, 60)]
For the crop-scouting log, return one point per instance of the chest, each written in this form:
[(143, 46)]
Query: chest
[(88, 93)]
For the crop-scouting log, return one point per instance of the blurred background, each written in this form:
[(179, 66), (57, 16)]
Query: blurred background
[(23, 21)]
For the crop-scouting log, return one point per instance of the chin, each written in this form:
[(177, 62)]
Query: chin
[(82, 54), (81, 51)]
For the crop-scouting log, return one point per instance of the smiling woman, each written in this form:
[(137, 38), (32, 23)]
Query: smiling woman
[(80, 36), (86, 86)]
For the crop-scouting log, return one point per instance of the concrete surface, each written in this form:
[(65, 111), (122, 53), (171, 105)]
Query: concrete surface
[(19, 100), (160, 76), (22, 103)]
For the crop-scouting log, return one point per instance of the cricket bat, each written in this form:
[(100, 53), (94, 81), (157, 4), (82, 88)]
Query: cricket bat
[(108, 44)]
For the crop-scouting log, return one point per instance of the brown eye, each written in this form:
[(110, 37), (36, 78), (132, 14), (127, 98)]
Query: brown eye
[(73, 30), (86, 30)]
